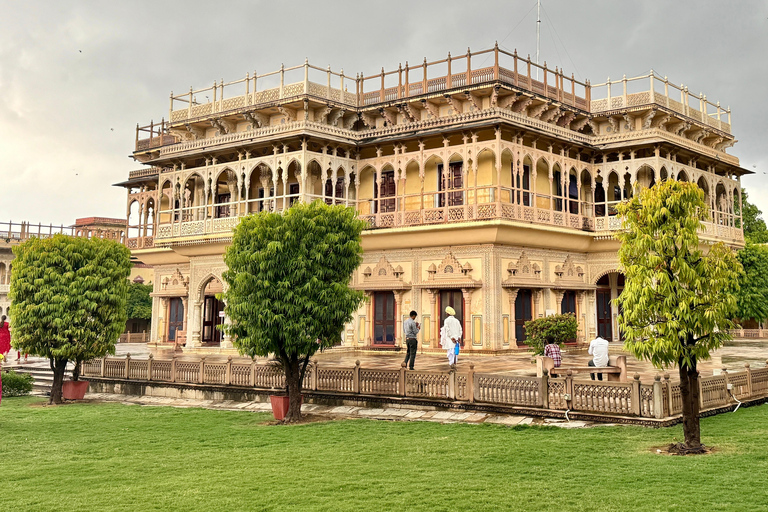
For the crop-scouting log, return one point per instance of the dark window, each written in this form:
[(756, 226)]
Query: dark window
[(384, 318), (523, 313), (450, 181)]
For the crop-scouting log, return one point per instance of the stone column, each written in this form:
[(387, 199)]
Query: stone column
[(467, 294), (559, 301), (185, 316), (581, 317), (591, 314), (196, 321), (512, 300), (398, 318), (163, 324), (435, 329)]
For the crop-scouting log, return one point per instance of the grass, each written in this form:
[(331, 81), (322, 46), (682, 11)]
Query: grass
[(112, 457)]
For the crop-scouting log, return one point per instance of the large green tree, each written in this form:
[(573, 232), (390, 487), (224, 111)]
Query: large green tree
[(678, 300), (754, 226), (139, 303), (68, 300), (752, 297), (288, 285)]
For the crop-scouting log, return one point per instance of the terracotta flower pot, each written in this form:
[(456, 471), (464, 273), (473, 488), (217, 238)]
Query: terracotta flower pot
[(74, 389), (280, 405)]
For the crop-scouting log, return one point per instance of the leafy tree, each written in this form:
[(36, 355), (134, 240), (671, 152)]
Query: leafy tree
[(752, 298), (557, 328), (754, 226), (68, 298), (139, 301), (677, 301), (288, 277)]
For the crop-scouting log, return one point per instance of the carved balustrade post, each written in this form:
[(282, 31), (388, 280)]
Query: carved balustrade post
[(401, 380), (228, 373), (635, 398), (356, 378), (658, 397), (127, 364), (749, 379), (201, 377), (452, 384), (543, 399), (173, 368), (471, 383), (149, 366)]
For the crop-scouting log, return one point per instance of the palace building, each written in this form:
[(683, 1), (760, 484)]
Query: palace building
[(488, 183)]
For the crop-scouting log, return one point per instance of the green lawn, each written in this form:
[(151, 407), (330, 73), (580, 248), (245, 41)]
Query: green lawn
[(107, 457)]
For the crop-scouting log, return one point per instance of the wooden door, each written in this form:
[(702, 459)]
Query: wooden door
[(523, 313), (386, 190), (604, 328), (455, 299), (223, 210), (451, 180), (212, 309), (175, 317), (384, 318)]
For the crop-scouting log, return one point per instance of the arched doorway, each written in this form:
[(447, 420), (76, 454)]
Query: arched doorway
[(213, 313), (609, 287)]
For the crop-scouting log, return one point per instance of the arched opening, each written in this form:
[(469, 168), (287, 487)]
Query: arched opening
[(134, 220), (663, 174), (557, 188), (385, 192), (682, 175), (225, 194), (543, 192), (645, 178), (614, 193), (213, 312), (365, 191), (451, 179), (166, 196), (193, 199), (413, 197), (722, 205), (524, 182), (261, 190), (4, 277), (573, 192), (292, 187), (507, 177), (586, 192), (600, 197), (704, 186), (484, 181), (334, 188), (609, 287)]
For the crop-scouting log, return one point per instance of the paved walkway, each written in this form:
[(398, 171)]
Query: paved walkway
[(733, 356), (347, 412)]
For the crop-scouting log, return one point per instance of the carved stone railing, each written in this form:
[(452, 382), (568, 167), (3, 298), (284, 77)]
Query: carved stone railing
[(659, 399)]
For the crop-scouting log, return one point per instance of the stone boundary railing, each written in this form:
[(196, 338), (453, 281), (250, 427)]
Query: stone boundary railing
[(659, 399)]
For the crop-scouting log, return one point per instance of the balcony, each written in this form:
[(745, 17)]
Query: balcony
[(430, 209)]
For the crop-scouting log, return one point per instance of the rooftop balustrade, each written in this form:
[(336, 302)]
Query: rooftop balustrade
[(437, 77)]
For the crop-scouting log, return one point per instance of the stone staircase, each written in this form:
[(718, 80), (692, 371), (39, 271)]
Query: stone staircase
[(42, 374)]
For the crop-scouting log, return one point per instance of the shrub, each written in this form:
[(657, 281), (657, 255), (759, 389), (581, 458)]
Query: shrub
[(16, 384), (558, 328)]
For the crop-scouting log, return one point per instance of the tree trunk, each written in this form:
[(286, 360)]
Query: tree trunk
[(689, 394), (76, 371), (59, 366), (293, 381)]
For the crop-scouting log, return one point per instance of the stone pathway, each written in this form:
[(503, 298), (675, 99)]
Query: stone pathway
[(347, 412)]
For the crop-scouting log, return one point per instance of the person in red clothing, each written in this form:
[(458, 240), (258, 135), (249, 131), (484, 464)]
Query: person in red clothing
[(552, 350), (5, 337)]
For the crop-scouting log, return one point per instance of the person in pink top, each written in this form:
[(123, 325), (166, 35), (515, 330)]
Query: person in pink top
[(5, 337)]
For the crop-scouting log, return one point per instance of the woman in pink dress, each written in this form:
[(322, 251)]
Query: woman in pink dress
[(5, 337)]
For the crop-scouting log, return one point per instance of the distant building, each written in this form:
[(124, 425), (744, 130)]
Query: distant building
[(488, 183)]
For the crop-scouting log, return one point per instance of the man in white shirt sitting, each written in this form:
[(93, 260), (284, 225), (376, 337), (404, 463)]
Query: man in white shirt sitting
[(598, 349)]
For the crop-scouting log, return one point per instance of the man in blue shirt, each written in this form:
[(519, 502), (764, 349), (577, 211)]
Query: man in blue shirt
[(411, 328)]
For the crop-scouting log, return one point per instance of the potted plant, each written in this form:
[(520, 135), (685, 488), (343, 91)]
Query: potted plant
[(74, 389)]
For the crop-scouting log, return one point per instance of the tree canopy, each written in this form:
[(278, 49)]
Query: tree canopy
[(288, 284), (754, 227), (68, 299), (139, 303), (677, 301), (752, 297)]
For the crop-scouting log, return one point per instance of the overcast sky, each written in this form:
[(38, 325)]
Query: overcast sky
[(76, 76)]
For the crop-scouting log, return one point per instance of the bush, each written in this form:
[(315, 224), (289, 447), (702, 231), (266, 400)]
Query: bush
[(557, 328), (16, 384)]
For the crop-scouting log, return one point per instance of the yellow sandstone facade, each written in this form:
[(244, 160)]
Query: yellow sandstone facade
[(488, 183)]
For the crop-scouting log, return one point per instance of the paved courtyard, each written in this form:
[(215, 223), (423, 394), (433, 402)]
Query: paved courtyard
[(733, 356)]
